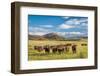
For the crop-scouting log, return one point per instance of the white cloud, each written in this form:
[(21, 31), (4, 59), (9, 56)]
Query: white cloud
[(48, 26), (76, 33), (37, 33), (65, 26), (38, 29), (66, 34), (30, 28), (61, 33), (73, 21), (83, 24), (70, 33), (66, 17), (76, 21), (83, 20)]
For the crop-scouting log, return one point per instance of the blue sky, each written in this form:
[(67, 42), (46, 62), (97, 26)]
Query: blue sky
[(63, 25)]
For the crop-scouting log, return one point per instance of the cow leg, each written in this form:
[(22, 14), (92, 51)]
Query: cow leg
[(59, 51)]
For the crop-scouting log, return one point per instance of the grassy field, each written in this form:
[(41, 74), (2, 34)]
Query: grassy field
[(82, 51)]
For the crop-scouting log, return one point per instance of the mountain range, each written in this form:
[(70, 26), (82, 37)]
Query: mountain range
[(54, 36), (49, 36)]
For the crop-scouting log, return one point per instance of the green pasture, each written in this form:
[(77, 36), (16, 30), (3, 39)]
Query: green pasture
[(82, 51)]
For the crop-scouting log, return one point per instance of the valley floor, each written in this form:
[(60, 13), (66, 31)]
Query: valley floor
[(82, 51)]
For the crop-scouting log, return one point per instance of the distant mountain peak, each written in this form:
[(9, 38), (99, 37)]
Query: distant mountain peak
[(55, 36), (49, 36)]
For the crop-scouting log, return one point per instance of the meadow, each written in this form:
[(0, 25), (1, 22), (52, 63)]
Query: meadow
[(82, 51)]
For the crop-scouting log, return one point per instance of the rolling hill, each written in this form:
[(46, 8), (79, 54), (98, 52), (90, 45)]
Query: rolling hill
[(54, 36), (49, 36)]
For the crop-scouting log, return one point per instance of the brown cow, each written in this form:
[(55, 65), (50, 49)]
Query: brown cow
[(38, 48), (60, 49), (66, 48), (74, 48), (69, 44)]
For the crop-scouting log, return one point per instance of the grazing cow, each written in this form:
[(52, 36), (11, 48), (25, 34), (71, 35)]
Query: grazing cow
[(66, 48), (69, 44), (35, 47), (60, 49), (74, 49), (47, 49), (83, 44), (38, 48), (54, 49)]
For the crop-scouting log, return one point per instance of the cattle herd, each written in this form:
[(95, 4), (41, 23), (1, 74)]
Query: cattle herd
[(58, 48)]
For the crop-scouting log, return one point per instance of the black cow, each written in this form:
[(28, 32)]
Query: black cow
[(74, 49), (35, 47), (60, 49), (54, 49), (47, 49), (84, 44)]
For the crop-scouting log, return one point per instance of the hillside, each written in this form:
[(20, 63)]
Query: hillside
[(36, 37), (54, 36), (49, 36)]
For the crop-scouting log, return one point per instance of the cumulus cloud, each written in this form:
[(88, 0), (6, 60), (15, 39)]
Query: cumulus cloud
[(84, 20), (37, 33), (66, 17), (76, 33), (61, 33), (38, 29), (65, 26), (83, 24), (47, 26), (73, 22), (76, 21), (70, 33)]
